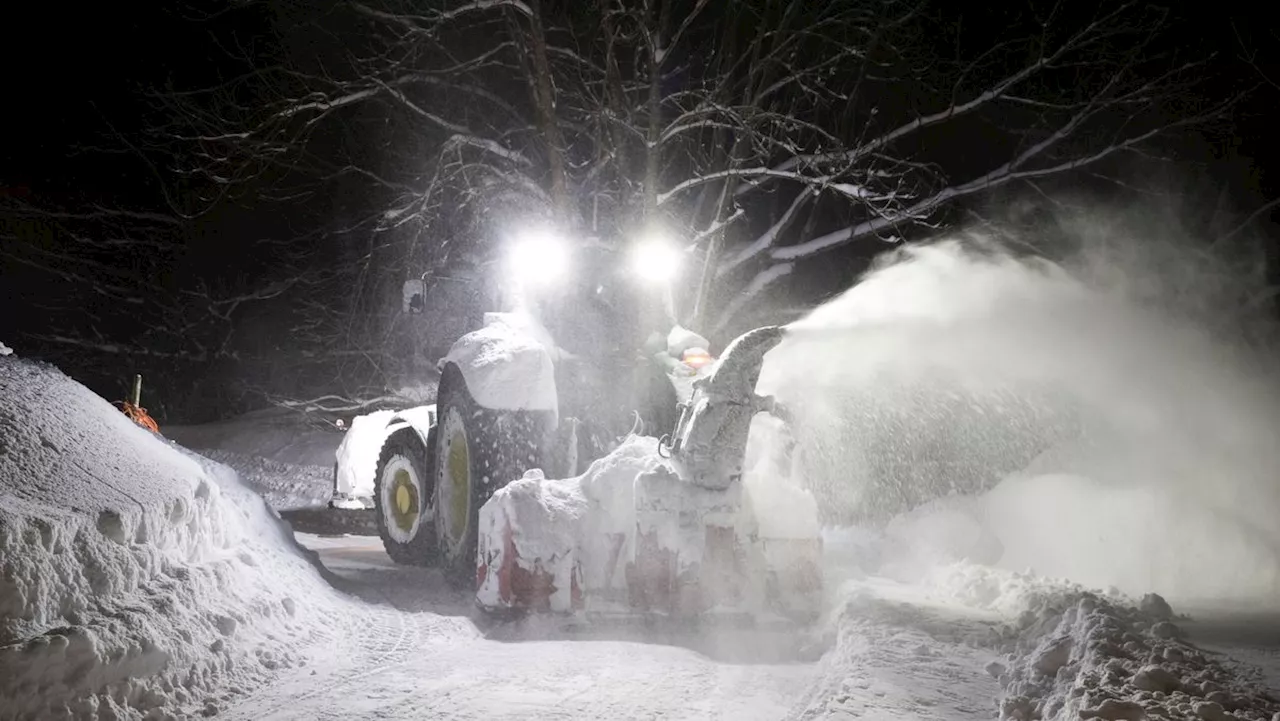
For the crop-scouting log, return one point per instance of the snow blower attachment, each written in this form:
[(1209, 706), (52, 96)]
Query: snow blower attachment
[(653, 528)]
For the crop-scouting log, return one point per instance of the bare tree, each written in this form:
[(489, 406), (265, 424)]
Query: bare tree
[(763, 132), (117, 296)]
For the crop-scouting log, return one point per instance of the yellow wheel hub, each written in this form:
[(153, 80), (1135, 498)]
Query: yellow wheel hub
[(404, 511)]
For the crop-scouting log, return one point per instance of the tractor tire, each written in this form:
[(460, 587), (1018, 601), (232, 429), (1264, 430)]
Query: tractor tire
[(476, 452), (402, 493)]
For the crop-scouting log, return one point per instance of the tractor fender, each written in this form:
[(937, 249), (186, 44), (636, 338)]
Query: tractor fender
[(509, 364), (357, 456)]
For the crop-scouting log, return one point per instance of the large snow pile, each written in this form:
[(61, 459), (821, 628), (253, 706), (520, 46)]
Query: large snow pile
[(967, 641), (135, 578), (1083, 656), (1073, 653)]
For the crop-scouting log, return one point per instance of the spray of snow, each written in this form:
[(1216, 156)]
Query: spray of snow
[(773, 496), (1126, 446), (5, 350)]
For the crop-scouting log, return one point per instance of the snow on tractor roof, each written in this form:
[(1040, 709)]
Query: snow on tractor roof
[(508, 364)]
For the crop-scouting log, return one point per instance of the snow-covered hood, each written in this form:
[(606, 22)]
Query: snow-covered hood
[(508, 364)]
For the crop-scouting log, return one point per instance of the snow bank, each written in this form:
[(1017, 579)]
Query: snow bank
[(1083, 656), (136, 579), (965, 640), (1075, 653), (508, 363)]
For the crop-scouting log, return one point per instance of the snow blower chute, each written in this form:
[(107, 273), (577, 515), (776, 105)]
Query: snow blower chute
[(658, 527)]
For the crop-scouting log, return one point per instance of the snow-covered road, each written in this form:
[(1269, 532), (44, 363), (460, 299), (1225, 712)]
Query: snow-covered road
[(390, 661)]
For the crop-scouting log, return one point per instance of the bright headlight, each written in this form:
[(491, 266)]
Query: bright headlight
[(656, 260), (538, 258)]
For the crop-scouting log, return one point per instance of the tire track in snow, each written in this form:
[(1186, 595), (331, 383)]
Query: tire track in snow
[(405, 663), (402, 666), (373, 640)]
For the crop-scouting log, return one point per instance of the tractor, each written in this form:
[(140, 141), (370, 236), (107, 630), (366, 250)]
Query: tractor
[(586, 359)]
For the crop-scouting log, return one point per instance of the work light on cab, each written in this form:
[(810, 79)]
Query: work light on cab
[(538, 257), (656, 259)]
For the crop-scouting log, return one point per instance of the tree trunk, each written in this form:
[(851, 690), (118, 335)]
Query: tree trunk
[(653, 154), (544, 98)]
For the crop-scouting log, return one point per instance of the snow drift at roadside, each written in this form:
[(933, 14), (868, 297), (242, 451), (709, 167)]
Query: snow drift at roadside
[(1071, 652), (135, 578)]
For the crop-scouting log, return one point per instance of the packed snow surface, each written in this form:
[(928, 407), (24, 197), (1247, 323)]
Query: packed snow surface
[(538, 669)]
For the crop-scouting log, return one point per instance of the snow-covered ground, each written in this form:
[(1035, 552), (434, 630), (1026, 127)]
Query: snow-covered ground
[(385, 665), (286, 460)]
